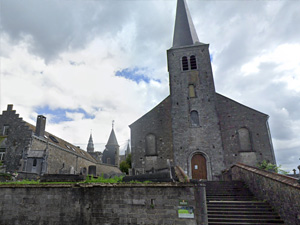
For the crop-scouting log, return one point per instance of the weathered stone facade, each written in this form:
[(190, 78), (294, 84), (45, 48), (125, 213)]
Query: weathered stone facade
[(30, 149), (198, 129), (156, 124), (101, 204)]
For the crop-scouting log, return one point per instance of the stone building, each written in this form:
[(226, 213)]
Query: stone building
[(31, 149), (196, 128), (112, 150)]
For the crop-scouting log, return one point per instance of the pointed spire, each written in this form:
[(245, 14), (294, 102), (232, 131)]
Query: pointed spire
[(112, 140), (127, 151), (90, 147), (184, 32)]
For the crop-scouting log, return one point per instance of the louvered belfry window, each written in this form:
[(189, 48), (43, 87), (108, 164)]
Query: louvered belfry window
[(185, 64), (193, 62)]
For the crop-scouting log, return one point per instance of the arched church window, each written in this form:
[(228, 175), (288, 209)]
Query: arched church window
[(244, 139), (185, 64), (151, 145), (193, 62), (34, 162), (194, 118), (192, 93)]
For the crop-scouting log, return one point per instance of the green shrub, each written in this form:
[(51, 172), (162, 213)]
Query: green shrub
[(264, 165)]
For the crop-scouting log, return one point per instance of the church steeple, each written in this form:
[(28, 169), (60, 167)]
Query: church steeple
[(112, 140), (90, 147), (184, 32)]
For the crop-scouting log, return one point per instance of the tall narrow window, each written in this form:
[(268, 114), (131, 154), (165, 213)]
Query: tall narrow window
[(193, 62), (192, 93), (151, 145), (194, 118), (185, 64), (34, 162), (244, 138)]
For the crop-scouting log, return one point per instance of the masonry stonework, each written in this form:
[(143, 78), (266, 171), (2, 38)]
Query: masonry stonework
[(158, 123), (99, 204)]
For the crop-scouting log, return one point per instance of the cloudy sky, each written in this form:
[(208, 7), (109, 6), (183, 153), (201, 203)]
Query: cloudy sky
[(84, 63)]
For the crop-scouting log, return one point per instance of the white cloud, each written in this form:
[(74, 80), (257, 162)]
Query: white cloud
[(68, 61)]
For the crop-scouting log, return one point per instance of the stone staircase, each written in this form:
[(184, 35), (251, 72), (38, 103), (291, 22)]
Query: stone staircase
[(231, 202)]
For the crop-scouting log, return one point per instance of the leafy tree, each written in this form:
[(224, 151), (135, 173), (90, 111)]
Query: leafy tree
[(125, 165), (128, 160)]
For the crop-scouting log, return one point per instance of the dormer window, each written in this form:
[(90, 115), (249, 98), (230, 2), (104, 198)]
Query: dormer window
[(185, 64), (53, 139), (193, 62)]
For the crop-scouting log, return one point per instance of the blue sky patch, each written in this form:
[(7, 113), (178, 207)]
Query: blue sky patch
[(59, 114), (135, 74), (211, 57)]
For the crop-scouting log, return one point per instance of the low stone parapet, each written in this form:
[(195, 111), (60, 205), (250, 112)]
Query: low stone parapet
[(282, 192)]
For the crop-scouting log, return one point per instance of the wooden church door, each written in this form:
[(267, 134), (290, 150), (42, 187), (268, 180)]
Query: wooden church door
[(199, 167)]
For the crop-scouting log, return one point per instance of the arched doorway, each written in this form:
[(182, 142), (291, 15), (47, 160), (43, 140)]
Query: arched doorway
[(198, 164)]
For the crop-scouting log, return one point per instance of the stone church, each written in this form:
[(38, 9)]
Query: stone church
[(196, 128)]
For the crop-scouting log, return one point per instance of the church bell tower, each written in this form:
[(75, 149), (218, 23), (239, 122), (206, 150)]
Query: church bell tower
[(197, 143)]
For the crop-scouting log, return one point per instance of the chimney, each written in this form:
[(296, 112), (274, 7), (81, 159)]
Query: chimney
[(10, 107), (40, 126)]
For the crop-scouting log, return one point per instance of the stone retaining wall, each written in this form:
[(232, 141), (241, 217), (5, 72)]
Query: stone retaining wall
[(113, 204), (282, 192)]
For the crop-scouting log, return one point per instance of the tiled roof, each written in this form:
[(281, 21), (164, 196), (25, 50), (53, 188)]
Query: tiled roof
[(63, 144)]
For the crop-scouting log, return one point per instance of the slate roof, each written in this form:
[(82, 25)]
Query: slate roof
[(63, 144), (112, 140), (184, 32)]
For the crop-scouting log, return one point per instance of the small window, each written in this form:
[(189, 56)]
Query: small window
[(192, 93), (185, 64), (108, 160), (73, 149), (194, 118), (53, 138), (68, 146), (193, 62), (45, 137), (34, 162), (5, 130)]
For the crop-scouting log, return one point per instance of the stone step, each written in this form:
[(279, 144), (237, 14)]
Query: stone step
[(241, 216), (242, 223), (242, 212), (233, 203), (246, 220), (229, 198)]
